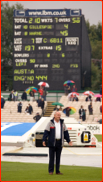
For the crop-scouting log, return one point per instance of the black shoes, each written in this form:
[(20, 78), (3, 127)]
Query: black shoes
[(59, 173), (50, 173)]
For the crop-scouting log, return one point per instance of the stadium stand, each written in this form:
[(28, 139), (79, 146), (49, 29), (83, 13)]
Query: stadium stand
[(89, 118), (10, 114)]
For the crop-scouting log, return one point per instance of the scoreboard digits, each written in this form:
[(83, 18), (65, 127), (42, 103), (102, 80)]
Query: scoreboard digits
[(46, 49)]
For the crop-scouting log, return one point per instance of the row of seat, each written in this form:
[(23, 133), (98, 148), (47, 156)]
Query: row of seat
[(9, 112), (89, 118)]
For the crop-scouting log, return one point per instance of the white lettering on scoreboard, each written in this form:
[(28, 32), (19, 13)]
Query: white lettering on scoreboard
[(17, 47), (64, 19), (21, 60), (41, 65), (38, 40), (45, 47), (17, 33), (17, 26), (17, 40), (20, 20), (21, 55), (72, 41), (48, 20)]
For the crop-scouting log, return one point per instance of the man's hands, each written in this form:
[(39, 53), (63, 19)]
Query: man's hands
[(71, 143), (44, 144)]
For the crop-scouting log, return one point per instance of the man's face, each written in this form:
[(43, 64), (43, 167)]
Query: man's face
[(57, 116)]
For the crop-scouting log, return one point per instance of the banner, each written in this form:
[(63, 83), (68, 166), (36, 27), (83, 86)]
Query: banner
[(94, 128)]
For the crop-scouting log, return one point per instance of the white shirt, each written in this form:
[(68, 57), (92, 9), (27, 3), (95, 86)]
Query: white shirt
[(57, 130)]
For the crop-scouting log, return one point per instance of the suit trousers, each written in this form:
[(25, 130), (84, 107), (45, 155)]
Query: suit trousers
[(55, 152)]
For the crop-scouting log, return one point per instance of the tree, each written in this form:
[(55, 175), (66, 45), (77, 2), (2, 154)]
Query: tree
[(95, 37), (96, 77), (7, 44)]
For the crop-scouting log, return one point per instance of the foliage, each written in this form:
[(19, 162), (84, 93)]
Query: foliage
[(96, 77), (95, 37), (7, 44)]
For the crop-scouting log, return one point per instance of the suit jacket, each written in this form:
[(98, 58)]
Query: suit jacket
[(80, 112), (50, 133), (30, 109)]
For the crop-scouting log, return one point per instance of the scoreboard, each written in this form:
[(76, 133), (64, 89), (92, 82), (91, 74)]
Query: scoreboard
[(47, 47)]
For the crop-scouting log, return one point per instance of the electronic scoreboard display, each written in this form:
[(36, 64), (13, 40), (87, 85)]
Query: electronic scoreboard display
[(47, 47)]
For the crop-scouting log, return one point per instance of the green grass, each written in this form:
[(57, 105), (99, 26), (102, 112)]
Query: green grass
[(99, 138), (16, 171)]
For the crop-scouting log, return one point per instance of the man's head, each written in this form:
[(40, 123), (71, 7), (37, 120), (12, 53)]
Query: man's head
[(81, 107), (37, 113), (57, 116)]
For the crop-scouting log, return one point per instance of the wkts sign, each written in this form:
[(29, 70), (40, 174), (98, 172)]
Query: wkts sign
[(94, 128)]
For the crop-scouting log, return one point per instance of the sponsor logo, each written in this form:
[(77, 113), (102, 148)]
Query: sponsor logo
[(93, 127), (69, 128), (93, 143)]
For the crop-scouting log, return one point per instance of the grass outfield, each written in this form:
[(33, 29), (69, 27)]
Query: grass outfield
[(16, 171), (99, 138)]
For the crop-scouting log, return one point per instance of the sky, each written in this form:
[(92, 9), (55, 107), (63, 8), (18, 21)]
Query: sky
[(92, 10)]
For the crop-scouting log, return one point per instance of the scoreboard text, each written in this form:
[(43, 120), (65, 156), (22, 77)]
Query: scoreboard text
[(46, 49)]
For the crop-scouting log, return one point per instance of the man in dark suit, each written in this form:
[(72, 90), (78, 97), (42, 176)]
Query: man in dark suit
[(30, 109), (24, 96), (39, 102), (37, 117), (56, 131), (88, 98), (90, 108), (20, 107), (11, 96), (81, 112)]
